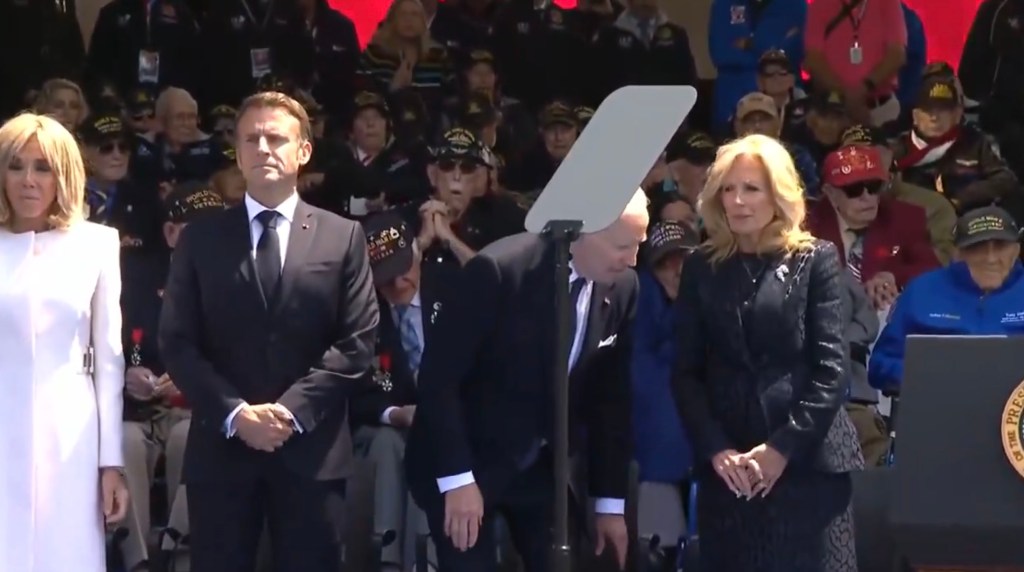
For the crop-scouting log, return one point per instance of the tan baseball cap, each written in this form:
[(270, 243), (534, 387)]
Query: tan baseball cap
[(756, 101)]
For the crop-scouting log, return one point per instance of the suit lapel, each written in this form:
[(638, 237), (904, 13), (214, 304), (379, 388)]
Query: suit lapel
[(240, 246), (300, 237), (428, 313), (597, 318), (829, 228)]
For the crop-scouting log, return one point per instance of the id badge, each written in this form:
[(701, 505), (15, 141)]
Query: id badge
[(357, 207), (260, 60), (149, 66), (856, 54)]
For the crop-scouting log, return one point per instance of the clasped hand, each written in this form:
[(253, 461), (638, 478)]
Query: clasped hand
[(264, 427), (750, 474)]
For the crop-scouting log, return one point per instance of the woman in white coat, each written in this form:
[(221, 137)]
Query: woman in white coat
[(61, 363)]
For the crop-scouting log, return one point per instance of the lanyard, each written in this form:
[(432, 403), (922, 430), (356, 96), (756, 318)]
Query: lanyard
[(149, 21), (252, 17), (855, 21), (107, 199)]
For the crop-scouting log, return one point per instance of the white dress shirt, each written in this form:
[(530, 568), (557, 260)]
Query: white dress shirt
[(601, 505), (415, 311), (286, 215)]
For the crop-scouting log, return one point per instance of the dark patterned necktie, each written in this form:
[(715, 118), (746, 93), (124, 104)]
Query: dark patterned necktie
[(268, 254)]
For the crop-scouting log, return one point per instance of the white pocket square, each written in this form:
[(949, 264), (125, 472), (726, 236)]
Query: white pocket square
[(610, 341)]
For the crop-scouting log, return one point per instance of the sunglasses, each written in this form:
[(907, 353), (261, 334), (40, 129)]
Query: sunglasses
[(144, 116), (857, 189), (464, 166), (111, 146)]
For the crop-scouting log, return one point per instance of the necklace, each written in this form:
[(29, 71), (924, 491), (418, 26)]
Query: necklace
[(754, 276)]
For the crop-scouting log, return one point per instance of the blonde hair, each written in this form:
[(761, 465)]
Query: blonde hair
[(51, 87), (785, 231), (61, 152), (385, 37)]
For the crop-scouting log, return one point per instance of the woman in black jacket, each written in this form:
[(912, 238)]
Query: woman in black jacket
[(761, 374)]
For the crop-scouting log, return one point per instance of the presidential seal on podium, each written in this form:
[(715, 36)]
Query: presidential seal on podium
[(1012, 429)]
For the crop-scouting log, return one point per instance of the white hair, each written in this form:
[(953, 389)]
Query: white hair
[(170, 95)]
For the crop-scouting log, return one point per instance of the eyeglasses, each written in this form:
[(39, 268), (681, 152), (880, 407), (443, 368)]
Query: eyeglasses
[(776, 73), (111, 146), (464, 166), (857, 189)]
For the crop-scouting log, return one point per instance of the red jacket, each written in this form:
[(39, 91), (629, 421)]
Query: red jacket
[(897, 241)]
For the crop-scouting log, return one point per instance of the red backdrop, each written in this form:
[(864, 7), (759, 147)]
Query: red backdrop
[(946, 22)]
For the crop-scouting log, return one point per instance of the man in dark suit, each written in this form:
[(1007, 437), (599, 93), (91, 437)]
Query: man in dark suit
[(480, 442), (411, 300), (268, 327)]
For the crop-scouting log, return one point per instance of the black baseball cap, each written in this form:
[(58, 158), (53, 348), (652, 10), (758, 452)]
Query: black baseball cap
[(695, 147), (389, 242), (370, 99), (478, 111), (141, 102), (984, 224), (774, 57), (863, 135), (460, 143), (668, 237), (478, 56), (938, 69), (828, 102), (188, 200), (558, 113), (938, 92), (584, 114), (102, 128), (222, 112)]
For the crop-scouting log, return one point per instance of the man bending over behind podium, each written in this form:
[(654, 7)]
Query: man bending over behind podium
[(481, 440), (981, 294)]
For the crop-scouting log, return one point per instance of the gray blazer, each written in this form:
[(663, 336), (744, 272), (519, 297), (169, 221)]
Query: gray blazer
[(861, 331)]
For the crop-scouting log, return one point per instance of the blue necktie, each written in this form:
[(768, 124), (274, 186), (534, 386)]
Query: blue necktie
[(575, 289), (410, 339)]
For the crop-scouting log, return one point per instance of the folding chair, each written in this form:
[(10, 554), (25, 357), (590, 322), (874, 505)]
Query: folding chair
[(379, 542)]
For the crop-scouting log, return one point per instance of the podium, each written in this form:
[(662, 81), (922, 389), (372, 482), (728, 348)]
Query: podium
[(958, 500)]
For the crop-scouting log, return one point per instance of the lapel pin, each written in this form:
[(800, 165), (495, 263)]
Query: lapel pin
[(305, 226), (607, 302), (782, 272)]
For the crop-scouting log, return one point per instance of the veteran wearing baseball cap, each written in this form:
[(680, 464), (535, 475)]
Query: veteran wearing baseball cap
[(667, 246), (980, 294), (465, 212), (882, 241), (411, 299)]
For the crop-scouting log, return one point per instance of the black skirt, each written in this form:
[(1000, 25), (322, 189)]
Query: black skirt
[(804, 525)]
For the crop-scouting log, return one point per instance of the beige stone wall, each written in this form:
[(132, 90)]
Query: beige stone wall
[(693, 15)]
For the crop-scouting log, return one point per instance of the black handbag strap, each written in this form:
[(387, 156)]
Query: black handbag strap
[(844, 13)]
